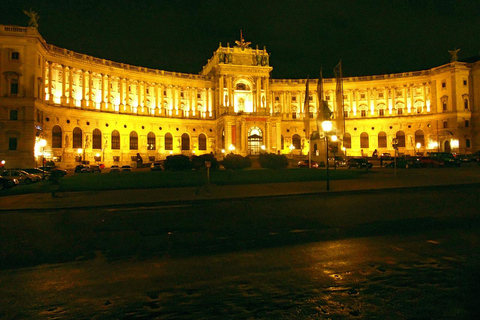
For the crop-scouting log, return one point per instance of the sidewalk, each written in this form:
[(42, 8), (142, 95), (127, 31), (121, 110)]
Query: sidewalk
[(369, 182)]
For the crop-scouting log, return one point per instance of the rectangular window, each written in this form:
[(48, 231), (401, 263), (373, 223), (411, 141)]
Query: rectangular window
[(116, 158), (277, 98), (13, 88), (165, 92), (294, 98), (12, 144), (400, 111), (464, 82), (15, 55), (467, 123), (148, 91), (310, 98), (364, 113), (445, 124), (345, 114), (444, 106), (362, 96), (182, 94), (310, 115), (327, 98), (467, 143), (381, 112), (199, 96), (444, 84), (13, 114), (294, 115), (380, 94)]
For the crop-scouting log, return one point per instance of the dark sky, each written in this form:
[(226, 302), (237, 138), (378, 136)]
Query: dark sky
[(370, 36)]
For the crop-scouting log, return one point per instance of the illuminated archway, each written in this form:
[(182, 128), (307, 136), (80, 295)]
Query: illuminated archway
[(255, 140)]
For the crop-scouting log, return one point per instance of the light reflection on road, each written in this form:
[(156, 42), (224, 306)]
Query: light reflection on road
[(390, 277)]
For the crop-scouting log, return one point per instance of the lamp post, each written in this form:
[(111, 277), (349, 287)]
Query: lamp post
[(43, 143), (327, 126)]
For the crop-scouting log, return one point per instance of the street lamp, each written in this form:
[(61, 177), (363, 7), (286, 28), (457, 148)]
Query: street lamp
[(79, 151), (327, 127)]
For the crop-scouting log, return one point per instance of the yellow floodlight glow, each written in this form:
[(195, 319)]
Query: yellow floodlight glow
[(79, 150), (327, 126), (334, 138)]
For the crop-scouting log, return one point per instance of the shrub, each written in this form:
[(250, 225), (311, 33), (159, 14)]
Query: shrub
[(178, 163), (273, 161), (198, 162), (236, 162)]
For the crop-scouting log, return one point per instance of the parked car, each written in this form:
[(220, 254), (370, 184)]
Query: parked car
[(95, 168), (7, 183), (304, 164), (82, 169), (22, 176), (386, 156), (42, 173), (114, 168), (338, 161), (52, 169), (430, 162), (403, 162), (448, 158), (126, 168), (156, 166), (359, 163)]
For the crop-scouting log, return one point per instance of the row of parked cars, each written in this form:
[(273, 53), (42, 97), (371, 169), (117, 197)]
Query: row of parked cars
[(10, 178), (433, 159)]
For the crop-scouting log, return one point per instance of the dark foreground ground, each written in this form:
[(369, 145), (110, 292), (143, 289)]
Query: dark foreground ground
[(410, 254)]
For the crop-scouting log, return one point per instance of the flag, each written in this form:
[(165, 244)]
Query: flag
[(339, 112), (323, 113), (306, 117)]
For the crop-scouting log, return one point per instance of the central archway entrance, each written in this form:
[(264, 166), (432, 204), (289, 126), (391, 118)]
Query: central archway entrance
[(255, 140)]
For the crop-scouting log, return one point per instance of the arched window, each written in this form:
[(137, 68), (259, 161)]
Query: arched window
[(382, 139), (168, 141), (202, 142), (401, 139), (77, 138), (133, 141), (56, 137), (347, 141), (419, 138), (151, 141), (115, 140), (297, 142), (97, 139), (185, 141), (364, 143)]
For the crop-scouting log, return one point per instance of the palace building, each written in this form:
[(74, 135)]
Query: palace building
[(64, 106)]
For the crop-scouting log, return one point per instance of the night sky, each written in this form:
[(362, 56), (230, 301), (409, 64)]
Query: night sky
[(371, 37)]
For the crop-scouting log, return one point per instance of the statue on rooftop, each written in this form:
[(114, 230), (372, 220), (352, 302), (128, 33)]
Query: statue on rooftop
[(242, 44), (453, 55), (34, 17)]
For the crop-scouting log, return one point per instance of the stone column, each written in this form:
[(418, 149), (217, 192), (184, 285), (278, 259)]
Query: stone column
[(162, 110), (394, 93), (50, 82), (267, 95), (128, 107), (146, 108), (267, 136), (71, 98), (109, 92), (220, 91), (139, 96), (121, 105), (102, 90), (84, 88), (63, 99), (90, 87), (229, 91)]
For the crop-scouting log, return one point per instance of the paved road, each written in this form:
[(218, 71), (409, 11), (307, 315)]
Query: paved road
[(395, 254)]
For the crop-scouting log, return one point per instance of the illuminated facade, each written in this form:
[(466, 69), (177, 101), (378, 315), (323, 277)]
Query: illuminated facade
[(93, 109)]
